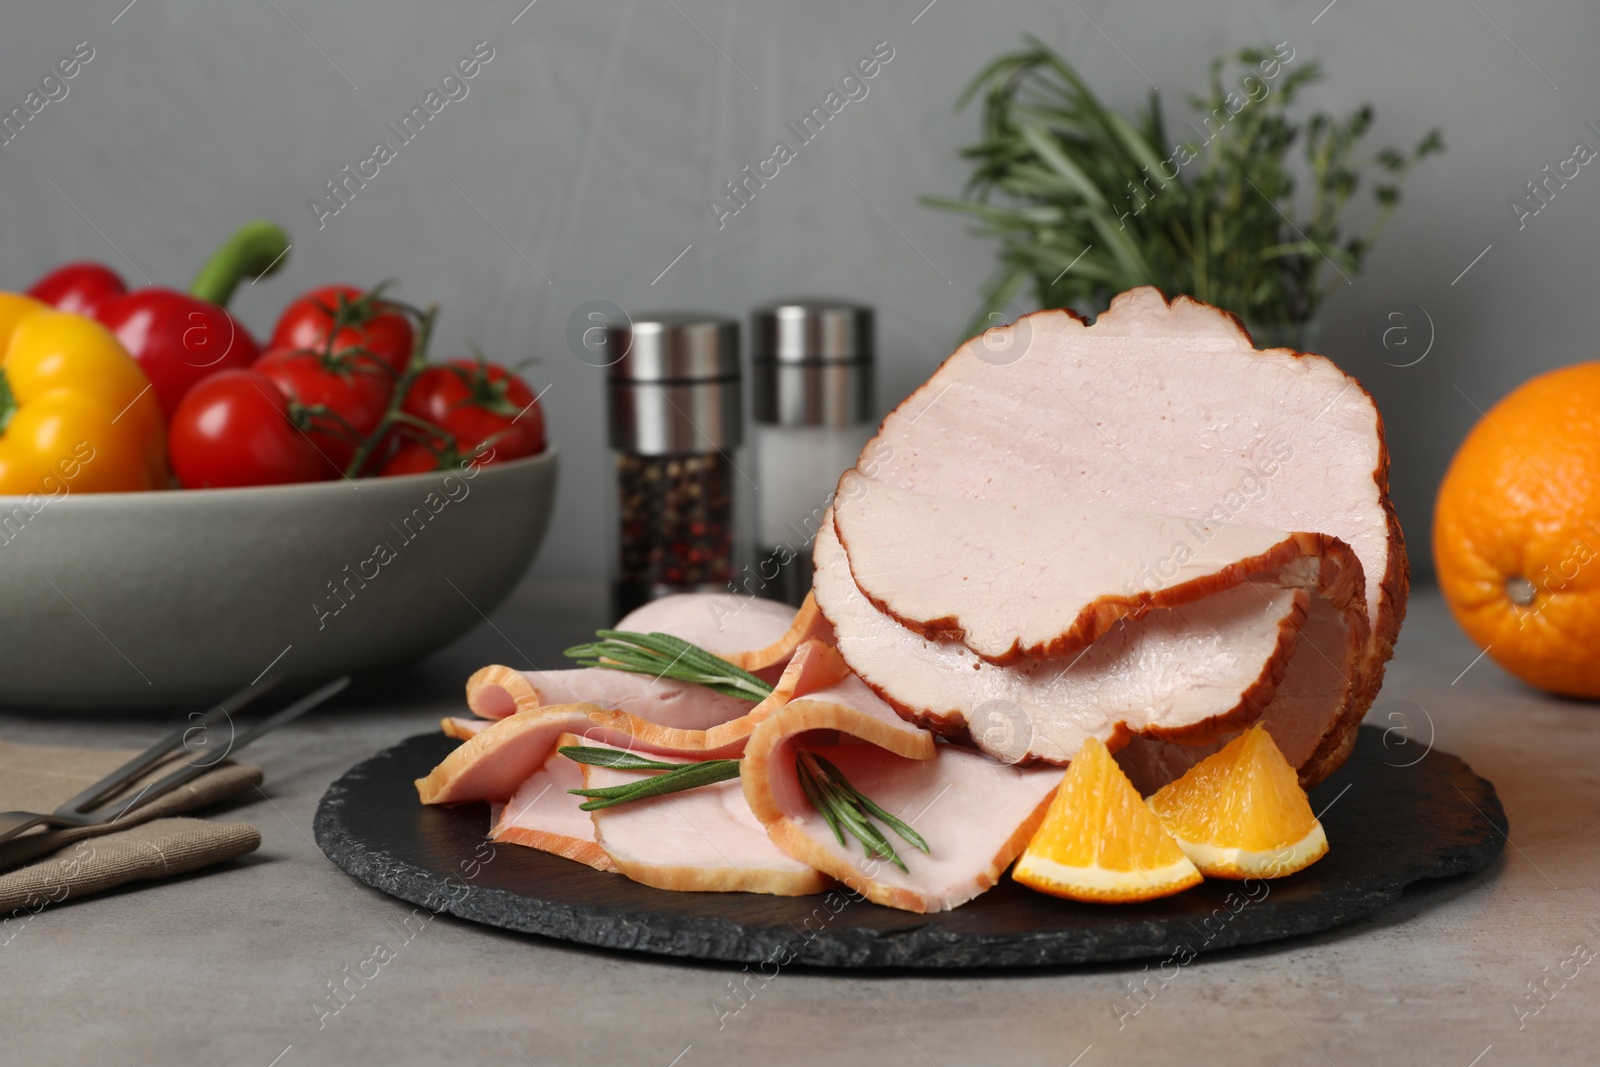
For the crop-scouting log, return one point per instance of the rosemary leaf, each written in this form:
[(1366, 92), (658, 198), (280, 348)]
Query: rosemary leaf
[(665, 656), (813, 792), (613, 757), (682, 776)]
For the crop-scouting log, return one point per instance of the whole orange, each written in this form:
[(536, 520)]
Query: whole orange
[(1516, 532)]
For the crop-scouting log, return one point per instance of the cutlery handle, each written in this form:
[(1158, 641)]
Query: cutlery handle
[(13, 823), (205, 761)]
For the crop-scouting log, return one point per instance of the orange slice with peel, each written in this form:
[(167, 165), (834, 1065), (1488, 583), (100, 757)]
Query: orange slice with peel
[(1099, 842), (1241, 813)]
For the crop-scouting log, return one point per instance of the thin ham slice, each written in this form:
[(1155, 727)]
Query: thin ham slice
[(757, 635), (496, 691), (701, 841), (460, 728), (542, 814), (493, 762), (1161, 409), (976, 814)]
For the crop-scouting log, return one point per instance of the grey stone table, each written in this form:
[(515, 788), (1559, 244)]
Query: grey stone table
[(236, 966)]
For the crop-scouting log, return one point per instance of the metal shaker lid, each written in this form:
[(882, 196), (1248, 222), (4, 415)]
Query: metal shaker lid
[(802, 331), (812, 363), (675, 389), (675, 346)]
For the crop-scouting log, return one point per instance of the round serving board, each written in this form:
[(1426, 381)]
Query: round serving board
[(1391, 818)]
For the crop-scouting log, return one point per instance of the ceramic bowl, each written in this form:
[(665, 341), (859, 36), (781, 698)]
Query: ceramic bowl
[(131, 599)]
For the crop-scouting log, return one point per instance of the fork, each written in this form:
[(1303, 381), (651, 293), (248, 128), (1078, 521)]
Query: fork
[(81, 809)]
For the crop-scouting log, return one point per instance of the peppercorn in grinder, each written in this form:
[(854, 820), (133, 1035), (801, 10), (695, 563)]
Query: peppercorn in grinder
[(676, 427)]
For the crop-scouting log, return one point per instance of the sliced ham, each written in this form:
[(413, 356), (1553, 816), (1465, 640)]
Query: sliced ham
[(494, 761), (495, 692), (1297, 717), (542, 814), (976, 814), (1186, 674), (724, 624), (1165, 411), (757, 635), (701, 841), (459, 727), (1030, 579)]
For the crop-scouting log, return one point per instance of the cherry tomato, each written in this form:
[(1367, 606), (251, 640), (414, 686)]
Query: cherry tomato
[(362, 320), (414, 458), (477, 402), (80, 288), (237, 428), (345, 396)]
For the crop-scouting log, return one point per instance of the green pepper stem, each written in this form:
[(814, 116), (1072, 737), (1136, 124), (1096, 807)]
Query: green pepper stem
[(255, 250)]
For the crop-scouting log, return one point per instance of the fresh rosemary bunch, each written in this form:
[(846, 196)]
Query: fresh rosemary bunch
[(844, 807), (675, 777), (1087, 204), (665, 656)]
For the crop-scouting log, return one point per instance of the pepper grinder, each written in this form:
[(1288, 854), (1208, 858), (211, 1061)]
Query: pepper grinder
[(676, 424), (812, 395)]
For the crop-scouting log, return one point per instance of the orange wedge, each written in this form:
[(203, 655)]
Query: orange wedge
[(1241, 813), (1100, 843)]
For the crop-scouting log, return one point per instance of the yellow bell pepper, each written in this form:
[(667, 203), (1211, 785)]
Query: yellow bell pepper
[(77, 414)]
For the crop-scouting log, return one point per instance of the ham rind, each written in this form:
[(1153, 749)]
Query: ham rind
[(542, 814), (492, 763), (1027, 579), (495, 692), (975, 814), (1168, 409), (460, 727), (700, 841), (808, 625), (1187, 674)]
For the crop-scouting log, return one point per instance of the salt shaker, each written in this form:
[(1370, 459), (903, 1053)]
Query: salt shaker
[(812, 401), (676, 425)]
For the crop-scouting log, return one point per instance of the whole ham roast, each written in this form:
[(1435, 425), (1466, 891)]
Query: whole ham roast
[(1143, 529)]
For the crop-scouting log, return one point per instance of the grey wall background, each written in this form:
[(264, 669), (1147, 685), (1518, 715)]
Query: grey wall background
[(594, 138)]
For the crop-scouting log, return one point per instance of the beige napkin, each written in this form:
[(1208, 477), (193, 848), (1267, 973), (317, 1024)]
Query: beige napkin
[(49, 866)]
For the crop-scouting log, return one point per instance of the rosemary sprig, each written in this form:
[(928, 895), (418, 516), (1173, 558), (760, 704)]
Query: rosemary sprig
[(844, 807), (1087, 201), (676, 777), (665, 656)]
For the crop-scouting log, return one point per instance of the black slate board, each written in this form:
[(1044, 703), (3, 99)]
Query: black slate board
[(1391, 822)]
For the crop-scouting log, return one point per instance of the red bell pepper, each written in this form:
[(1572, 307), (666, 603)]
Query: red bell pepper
[(81, 288), (177, 338)]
